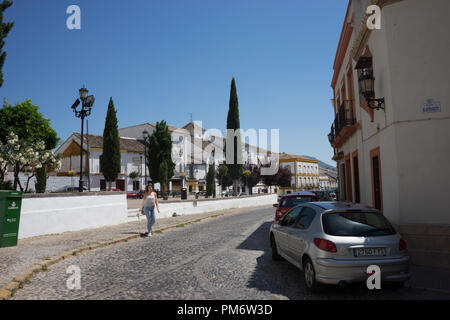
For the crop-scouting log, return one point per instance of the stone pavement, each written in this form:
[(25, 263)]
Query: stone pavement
[(428, 278), (30, 252), (15, 261)]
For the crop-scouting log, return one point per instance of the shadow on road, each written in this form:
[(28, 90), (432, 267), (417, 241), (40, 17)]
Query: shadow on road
[(284, 279)]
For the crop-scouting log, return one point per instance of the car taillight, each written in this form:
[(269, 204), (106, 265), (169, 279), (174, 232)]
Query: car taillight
[(402, 245), (278, 215), (325, 245)]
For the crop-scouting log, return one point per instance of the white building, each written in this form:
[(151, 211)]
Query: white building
[(327, 179), (394, 158), (194, 148), (305, 172)]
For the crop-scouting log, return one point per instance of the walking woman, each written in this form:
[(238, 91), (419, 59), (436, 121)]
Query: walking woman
[(148, 207)]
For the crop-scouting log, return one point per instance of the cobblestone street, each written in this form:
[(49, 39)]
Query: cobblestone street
[(226, 257)]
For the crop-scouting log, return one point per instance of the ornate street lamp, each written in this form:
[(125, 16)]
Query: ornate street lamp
[(367, 83), (145, 136), (330, 137), (87, 102)]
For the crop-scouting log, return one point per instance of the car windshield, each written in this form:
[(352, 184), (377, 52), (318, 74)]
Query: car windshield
[(289, 202), (356, 224)]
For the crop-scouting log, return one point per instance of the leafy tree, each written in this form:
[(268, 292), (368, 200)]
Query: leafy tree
[(133, 175), (25, 120), (110, 158), (235, 169), (245, 175), (211, 180), (159, 156), (163, 177), (269, 180), (30, 129), (5, 28), (284, 177), (41, 180), (223, 177), (253, 176)]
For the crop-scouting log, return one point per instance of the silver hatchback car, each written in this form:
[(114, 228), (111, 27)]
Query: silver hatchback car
[(335, 243)]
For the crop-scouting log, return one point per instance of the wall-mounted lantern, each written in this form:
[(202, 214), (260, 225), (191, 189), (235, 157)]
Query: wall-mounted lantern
[(367, 83)]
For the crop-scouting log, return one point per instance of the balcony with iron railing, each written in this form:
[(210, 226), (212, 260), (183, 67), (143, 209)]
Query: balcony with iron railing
[(344, 124)]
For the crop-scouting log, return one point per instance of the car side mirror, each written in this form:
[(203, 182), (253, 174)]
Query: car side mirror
[(275, 205)]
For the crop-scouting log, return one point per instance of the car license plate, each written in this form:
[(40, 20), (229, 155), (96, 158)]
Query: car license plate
[(369, 252)]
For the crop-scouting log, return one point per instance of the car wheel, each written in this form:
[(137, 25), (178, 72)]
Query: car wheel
[(310, 276), (275, 255)]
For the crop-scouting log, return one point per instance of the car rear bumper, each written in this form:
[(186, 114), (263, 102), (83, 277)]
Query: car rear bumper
[(333, 271)]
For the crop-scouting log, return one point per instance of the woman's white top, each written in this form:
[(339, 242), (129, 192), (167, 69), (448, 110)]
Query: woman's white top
[(150, 200)]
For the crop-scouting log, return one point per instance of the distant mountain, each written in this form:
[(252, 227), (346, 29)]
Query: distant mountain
[(321, 163)]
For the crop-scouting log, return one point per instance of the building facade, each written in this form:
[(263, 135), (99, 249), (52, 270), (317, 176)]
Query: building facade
[(327, 179), (305, 172), (391, 101)]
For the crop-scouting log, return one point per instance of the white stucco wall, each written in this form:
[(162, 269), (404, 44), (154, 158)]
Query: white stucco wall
[(187, 207), (40, 216), (410, 66)]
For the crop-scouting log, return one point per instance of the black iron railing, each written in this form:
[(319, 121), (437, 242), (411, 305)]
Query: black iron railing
[(343, 118)]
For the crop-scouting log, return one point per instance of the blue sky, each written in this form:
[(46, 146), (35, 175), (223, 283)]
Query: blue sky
[(165, 59)]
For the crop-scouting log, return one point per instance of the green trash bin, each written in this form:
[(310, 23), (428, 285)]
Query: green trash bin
[(10, 205)]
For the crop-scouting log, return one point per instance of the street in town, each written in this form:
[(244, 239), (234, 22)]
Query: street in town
[(226, 257)]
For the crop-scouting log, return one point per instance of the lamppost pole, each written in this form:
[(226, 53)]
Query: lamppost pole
[(87, 103), (80, 184), (145, 136)]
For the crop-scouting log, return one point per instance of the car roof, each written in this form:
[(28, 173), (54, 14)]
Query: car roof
[(339, 205), (299, 193)]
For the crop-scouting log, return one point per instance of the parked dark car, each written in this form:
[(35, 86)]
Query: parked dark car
[(323, 195), (139, 194), (290, 200)]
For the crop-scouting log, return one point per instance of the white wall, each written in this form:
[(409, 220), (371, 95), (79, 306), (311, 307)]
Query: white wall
[(51, 215), (184, 208)]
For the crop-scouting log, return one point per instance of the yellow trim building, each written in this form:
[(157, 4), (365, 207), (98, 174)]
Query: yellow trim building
[(305, 172)]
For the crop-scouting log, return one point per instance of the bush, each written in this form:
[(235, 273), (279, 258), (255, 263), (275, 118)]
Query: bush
[(6, 185)]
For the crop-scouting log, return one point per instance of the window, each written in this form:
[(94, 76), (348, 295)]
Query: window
[(289, 202), (291, 216), (376, 181), (356, 224), (356, 178), (306, 218), (348, 181)]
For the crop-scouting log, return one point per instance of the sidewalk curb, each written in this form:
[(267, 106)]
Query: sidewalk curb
[(8, 291)]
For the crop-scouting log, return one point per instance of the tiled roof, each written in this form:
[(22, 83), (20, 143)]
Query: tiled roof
[(127, 144), (287, 156)]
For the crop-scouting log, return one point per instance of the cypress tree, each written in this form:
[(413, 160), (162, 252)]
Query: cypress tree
[(5, 28), (234, 169), (159, 156), (211, 180), (110, 158)]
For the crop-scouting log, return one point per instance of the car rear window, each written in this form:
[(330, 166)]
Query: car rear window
[(290, 202), (356, 224)]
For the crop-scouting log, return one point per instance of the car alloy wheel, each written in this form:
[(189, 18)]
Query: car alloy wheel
[(310, 276), (275, 255)]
